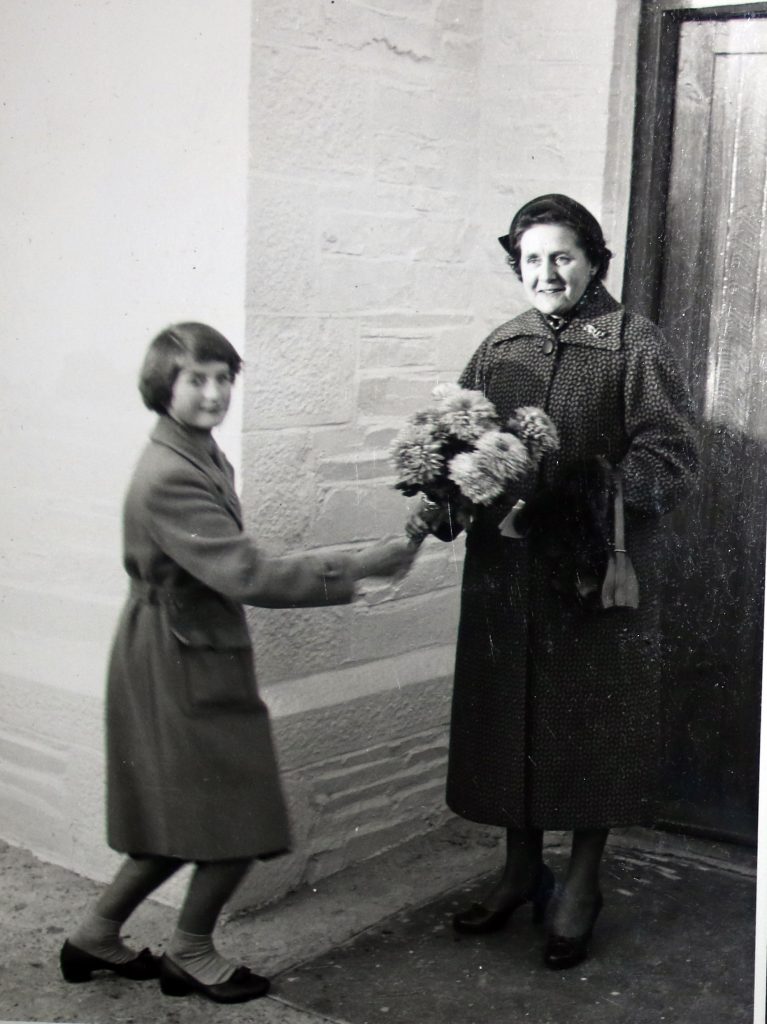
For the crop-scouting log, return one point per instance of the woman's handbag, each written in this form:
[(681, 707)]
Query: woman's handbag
[(578, 530), (620, 587)]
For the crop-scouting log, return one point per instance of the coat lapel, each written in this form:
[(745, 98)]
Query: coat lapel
[(597, 323), (203, 452)]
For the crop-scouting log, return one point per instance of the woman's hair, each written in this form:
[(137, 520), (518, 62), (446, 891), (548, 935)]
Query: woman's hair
[(558, 209), (171, 350)]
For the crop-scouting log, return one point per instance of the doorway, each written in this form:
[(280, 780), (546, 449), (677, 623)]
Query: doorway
[(696, 264)]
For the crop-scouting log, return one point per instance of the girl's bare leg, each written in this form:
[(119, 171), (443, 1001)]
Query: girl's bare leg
[(137, 878), (191, 946)]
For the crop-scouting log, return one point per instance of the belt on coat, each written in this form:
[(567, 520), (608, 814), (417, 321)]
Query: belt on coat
[(154, 593)]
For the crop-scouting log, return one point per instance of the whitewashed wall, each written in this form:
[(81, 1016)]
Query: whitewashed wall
[(123, 192), (325, 181)]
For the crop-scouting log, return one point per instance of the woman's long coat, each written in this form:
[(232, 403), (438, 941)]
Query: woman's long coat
[(555, 719), (191, 767)]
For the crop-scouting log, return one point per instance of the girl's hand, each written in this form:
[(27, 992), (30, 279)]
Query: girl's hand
[(427, 517), (390, 557)]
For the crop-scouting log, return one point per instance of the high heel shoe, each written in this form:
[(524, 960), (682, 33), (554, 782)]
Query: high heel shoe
[(78, 966), (240, 988), (480, 920), (562, 951)]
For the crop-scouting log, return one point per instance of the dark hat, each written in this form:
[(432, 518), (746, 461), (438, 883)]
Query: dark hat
[(551, 208)]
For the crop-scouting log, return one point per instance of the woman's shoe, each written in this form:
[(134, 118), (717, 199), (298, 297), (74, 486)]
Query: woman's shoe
[(241, 987), (480, 920), (562, 951), (77, 965)]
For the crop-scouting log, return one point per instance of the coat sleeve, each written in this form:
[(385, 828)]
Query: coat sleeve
[(661, 463), (473, 376), (192, 528)]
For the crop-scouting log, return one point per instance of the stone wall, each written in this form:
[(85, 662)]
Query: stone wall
[(390, 143)]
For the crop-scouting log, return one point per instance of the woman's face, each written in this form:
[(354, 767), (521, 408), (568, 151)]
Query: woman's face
[(201, 394), (555, 269)]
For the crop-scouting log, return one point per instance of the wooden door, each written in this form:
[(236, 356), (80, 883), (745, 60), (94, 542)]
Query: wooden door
[(713, 309)]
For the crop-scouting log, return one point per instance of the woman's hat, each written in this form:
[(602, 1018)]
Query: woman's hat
[(551, 208)]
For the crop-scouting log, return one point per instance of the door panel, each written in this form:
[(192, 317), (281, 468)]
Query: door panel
[(712, 310)]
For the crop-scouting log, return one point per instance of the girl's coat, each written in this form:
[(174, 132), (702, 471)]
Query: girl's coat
[(191, 766)]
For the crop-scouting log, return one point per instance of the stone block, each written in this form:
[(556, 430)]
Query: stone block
[(333, 786), (524, 80), (380, 438), (282, 251), (278, 487), (349, 285), (460, 50), (396, 350), (368, 465), (447, 288), (298, 642), (404, 158), (302, 372), (408, 238), (461, 15), (439, 565), (455, 347), (447, 111), (328, 442), (295, 21), (384, 30), (297, 98), (384, 630), (347, 514), (395, 394)]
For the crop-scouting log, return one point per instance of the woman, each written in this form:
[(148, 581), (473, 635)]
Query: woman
[(555, 713), (192, 775)]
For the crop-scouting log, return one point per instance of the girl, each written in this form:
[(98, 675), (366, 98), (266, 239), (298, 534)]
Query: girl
[(191, 770)]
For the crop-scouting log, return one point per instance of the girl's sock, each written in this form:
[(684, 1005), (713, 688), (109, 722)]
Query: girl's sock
[(101, 937), (197, 955)]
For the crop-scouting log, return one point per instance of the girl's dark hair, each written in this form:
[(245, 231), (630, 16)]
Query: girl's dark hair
[(558, 209), (168, 353)]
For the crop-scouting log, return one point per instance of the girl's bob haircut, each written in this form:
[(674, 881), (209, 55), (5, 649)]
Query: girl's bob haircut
[(171, 350)]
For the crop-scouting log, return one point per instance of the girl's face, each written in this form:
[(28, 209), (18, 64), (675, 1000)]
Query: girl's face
[(555, 269), (201, 394)]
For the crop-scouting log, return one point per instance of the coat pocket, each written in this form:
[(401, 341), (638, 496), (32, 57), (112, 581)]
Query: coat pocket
[(219, 681)]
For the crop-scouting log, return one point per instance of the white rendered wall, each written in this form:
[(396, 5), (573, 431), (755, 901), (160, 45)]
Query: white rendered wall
[(123, 193)]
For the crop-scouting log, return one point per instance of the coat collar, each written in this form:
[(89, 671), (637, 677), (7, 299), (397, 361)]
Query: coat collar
[(597, 323), (201, 450)]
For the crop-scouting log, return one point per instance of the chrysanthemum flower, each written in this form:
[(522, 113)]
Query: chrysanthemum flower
[(467, 415), (416, 455), (536, 431), (497, 460)]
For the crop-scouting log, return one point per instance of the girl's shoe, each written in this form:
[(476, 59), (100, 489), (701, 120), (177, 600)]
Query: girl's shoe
[(77, 965), (479, 919), (241, 987), (562, 951)]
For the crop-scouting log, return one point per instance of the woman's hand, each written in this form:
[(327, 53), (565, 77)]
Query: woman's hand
[(392, 556)]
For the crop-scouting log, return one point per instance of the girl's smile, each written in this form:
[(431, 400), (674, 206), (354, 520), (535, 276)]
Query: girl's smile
[(201, 394)]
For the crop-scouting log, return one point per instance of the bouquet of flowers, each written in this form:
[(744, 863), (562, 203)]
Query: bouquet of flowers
[(457, 454)]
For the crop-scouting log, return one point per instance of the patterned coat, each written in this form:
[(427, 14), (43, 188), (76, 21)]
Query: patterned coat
[(555, 718), (191, 771)]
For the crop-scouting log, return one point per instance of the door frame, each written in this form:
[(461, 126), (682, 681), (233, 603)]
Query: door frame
[(659, 28)]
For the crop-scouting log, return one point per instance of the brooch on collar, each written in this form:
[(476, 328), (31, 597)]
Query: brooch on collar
[(595, 332)]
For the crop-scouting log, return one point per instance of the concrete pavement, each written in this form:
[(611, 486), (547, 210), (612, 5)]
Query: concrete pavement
[(338, 929)]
